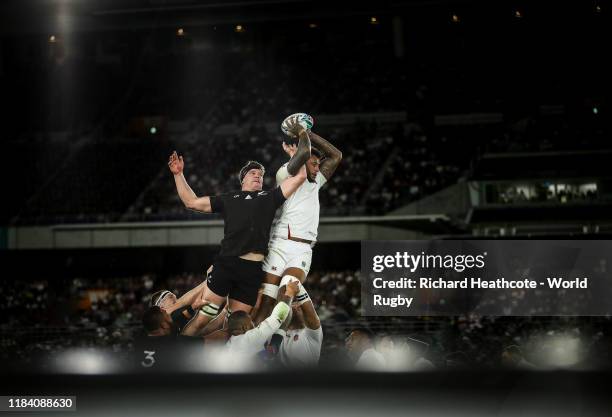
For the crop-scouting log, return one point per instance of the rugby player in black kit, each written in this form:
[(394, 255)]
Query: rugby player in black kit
[(248, 215)]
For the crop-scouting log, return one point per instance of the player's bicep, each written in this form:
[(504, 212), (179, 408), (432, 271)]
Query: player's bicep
[(201, 204), (311, 318)]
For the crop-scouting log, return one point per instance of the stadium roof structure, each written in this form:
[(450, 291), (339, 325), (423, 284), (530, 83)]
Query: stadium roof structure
[(45, 16), (210, 232)]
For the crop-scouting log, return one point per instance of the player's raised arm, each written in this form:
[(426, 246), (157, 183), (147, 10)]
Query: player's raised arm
[(333, 156), (302, 153), (311, 318), (291, 184), (190, 298), (188, 197)]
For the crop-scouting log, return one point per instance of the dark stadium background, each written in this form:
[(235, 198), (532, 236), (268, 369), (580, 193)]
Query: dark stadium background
[(457, 120)]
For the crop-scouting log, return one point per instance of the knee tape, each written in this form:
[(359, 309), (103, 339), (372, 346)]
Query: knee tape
[(270, 290), (210, 310)]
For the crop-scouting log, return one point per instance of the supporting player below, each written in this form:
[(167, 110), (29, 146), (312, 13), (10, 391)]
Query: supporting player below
[(247, 340), (298, 342)]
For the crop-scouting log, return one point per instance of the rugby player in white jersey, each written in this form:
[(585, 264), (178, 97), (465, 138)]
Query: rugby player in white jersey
[(294, 230), (298, 342), (246, 340)]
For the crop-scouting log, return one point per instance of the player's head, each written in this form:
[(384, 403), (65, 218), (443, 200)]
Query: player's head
[(251, 176), (313, 163), (359, 340), (239, 322), (297, 318), (164, 299), (157, 322)]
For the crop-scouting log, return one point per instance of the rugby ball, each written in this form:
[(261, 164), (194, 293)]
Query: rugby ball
[(304, 119)]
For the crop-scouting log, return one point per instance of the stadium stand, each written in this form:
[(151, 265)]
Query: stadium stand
[(148, 80)]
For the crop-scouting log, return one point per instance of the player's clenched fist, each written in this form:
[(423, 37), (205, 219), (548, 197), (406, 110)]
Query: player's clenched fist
[(176, 163)]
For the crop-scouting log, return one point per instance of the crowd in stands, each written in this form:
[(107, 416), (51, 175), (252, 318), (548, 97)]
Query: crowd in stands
[(102, 171), (45, 317), (417, 168), (96, 183), (384, 166), (543, 193), (546, 342)]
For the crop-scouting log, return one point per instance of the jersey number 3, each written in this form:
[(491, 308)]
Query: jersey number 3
[(149, 360)]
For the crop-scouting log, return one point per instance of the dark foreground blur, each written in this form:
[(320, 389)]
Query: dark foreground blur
[(328, 394)]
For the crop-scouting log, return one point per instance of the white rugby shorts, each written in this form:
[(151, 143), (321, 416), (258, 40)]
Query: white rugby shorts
[(284, 254)]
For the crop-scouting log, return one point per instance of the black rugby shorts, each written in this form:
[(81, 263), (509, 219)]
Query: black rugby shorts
[(237, 278)]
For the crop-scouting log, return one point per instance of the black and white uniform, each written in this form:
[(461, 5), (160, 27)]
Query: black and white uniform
[(248, 216)]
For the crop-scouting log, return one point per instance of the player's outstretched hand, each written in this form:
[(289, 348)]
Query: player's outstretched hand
[(294, 127), (292, 288), (290, 149), (176, 163)]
